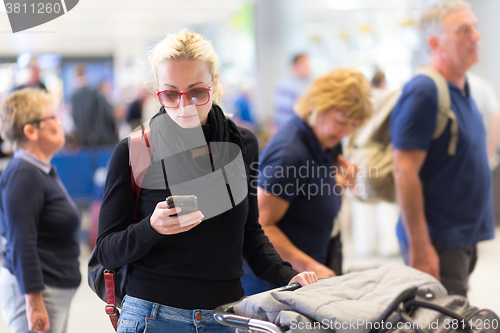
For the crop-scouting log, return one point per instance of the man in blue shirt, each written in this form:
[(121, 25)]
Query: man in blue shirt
[(446, 200), (288, 89)]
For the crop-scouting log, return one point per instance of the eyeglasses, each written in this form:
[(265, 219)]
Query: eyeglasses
[(172, 98), (39, 120)]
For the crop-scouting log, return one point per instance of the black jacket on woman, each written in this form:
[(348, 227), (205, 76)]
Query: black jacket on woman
[(197, 269)]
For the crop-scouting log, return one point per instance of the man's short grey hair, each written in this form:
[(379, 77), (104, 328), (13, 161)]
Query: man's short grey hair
[(431, 21)]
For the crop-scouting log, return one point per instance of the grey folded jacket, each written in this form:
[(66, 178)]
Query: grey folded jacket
[(349, 303)]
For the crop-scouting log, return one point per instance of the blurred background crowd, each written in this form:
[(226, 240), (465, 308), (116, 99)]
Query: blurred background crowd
[(270, 52), (260, 44), (93, 62)]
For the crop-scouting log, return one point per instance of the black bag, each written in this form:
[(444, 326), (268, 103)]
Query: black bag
[(413, 311), (97, 284)]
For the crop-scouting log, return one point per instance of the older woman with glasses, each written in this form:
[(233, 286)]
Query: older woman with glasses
[(298, 194), (39, 222), (184, 266)]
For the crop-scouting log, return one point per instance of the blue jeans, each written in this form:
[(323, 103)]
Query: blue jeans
[(147, 317), (12, 302)]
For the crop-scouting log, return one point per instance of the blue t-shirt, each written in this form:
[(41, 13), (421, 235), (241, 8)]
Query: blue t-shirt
[(295, 168), (288, 90), (457, 189)]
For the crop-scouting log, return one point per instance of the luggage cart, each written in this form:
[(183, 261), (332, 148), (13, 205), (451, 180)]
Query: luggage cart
[(399, 307), (224, 314)]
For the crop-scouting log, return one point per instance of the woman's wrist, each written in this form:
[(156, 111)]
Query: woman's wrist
[(33, 299)]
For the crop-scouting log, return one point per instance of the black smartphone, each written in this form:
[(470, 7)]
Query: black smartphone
[(188, 203)]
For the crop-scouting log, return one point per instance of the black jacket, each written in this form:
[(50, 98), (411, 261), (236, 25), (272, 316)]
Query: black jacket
[(197, 269)]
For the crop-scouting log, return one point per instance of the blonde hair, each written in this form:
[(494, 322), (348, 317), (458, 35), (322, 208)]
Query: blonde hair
[(20, 108), (186, 45), (431, 20), (344, 89)]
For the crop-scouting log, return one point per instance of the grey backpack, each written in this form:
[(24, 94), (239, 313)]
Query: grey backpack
[(370, 147)]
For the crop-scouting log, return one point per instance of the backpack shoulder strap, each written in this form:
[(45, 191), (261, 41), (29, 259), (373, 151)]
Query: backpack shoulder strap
[(139, 158), (445, 112), (376, 128), (140, 150)]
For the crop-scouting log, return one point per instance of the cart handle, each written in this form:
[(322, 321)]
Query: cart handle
[(224, 314)]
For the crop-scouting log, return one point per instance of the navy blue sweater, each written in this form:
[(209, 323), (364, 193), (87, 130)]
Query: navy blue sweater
[(40, 224)]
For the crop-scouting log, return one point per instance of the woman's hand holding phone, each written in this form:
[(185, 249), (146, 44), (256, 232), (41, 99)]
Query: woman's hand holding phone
[(163, 223)]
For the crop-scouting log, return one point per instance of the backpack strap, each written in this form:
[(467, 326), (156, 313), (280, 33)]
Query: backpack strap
[(139, 159), (111, 309), (445, 112)]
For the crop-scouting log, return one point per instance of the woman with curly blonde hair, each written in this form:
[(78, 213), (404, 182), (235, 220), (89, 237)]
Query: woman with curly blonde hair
[(298, 195)]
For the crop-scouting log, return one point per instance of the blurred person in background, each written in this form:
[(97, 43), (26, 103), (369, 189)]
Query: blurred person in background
[(243, 113), (120, 112), (378, 80), (33, 77), (298, 194), (444, 184), (379, 86), (39, 222), (183, 267), (105, 89), (288, 89), (487, 103), (92, 113), (135, 109)]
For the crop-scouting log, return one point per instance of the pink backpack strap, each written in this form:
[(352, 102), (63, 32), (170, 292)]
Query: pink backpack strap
[(139, 158)]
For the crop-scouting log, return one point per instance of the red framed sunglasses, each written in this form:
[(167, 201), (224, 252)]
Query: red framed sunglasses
[(172, 98)]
